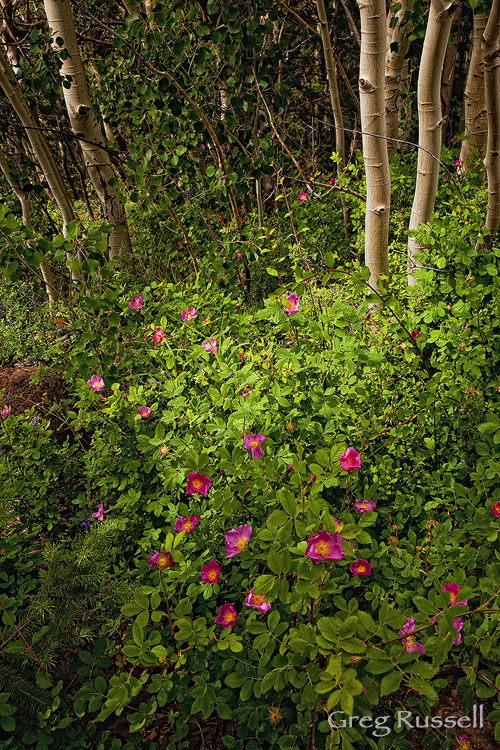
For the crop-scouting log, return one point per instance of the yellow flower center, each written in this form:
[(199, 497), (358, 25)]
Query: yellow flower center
[(186, 525), (258, 599), (241, 543), (212, 574), (162, 562), (322, 548), (410, 640), (362, 568), (228, 617), (254, 443), (197, 483)]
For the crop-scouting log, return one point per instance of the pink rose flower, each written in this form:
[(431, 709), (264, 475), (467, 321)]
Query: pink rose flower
[(187, 524), (237, 539), (159, 335), (161, 560), (209, 573), (253, 443), (144, 411), (495, 509), (291, 304), (361, 568), (324, 546), (409, 643), (364, 506), (197, 483), (350, 460), (210, 346), (96, 383), (227, 616), (302, 197), (136, 303), (189, 315), (453, 589), (99, 514), (257, 601)]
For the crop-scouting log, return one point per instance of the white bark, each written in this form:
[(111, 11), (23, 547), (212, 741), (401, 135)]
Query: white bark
[(26, 213), (41, 150), (491, 60), (372, 105), (331, 73), (83, 122), (396, 69), (450, 64), (429, 121), (475, 113)]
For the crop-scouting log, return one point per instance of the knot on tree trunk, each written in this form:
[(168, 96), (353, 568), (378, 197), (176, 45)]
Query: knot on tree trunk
[(379, 210), (366, 85), (83, 110)]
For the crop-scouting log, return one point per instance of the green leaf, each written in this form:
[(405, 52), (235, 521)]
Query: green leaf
[(390, 683)]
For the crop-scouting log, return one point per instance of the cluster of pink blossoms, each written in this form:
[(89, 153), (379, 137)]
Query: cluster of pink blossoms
[(236, 541), (5, 413), (409, 641)]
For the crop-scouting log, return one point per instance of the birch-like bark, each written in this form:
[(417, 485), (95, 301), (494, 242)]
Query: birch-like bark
[(26, 214), (333, 88), (429, 121), (396, 69), (449, 68), (376, 159), (83, 122), (41, 150), (491, 61), (475, 113)]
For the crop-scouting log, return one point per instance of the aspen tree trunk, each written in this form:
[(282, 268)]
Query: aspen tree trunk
[(331, 74), (26, 213), (376, 159), (491, 59), (41, 150), (429, 121), (450, 64), (475, 114), (83, 122), (396, 70)]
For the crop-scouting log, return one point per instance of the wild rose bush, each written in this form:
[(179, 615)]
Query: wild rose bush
[(307, 499)]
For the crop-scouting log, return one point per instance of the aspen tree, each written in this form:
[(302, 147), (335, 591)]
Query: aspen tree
[(84, 123), (491, 56), (429, 120), (331, 74), (475, 114), (396, 69), (376, 159), (40, 147), (26, 214)]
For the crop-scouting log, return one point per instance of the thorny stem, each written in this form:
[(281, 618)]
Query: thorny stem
[(169, 615)]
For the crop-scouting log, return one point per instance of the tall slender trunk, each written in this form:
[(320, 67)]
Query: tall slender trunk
[(396, 69), (83, 122), (450, 66), (376, 159), (26, 213), (475, 113), (41, 150), (491, 59), (331, 74), (429, 121)]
